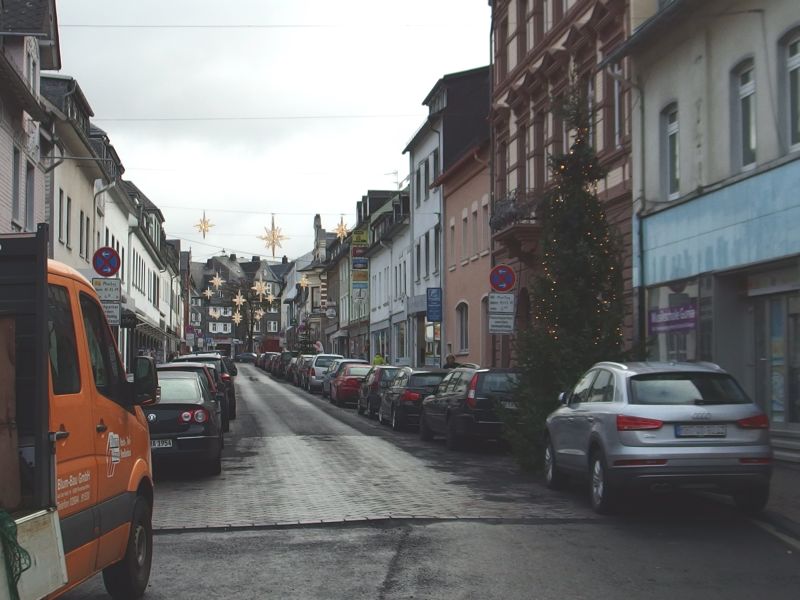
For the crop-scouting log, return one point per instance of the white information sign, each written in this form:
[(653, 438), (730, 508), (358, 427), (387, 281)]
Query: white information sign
[(112, 312), (108, 290), (500, 303), (501, 324)]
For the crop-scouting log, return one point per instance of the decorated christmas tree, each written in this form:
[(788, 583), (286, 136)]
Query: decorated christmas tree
[(577, 299)]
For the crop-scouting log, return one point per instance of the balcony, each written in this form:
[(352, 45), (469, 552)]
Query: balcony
[(514, 225)]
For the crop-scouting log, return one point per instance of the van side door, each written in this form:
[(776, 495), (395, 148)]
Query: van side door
[(72, 421), (116, 429)]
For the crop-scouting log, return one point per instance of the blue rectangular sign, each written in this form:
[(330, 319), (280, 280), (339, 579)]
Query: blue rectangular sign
[(434, 307)]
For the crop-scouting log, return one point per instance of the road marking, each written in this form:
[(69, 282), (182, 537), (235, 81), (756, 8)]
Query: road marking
[(787, 539)]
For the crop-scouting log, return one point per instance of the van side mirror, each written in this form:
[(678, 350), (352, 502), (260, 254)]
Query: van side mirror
[(145, 382), (563, 398)]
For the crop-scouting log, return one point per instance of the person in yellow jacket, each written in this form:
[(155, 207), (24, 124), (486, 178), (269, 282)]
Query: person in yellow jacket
[(378, 360)]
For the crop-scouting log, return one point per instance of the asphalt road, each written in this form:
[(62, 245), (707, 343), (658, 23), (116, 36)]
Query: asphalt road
[(318, 502)]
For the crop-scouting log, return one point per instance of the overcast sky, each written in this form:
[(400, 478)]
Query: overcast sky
[(296, 107)]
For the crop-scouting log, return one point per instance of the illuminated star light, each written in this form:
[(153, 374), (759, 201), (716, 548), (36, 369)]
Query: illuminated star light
[(238, 300), (208, 293), (273, 237), (217, 281), (260, 288), (341, 229), (237, 317), (270, 298), (204, 226), (214, 313), (259, 314), (304, 282)]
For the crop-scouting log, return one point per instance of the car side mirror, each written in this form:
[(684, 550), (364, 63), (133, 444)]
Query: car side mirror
[(563, 398), (145, 382), (234, 370)]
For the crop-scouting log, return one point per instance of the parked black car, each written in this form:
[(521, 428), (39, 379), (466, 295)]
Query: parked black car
[(465, 405), (283, 363), (225, 375), (246, 357), (401, 403), (185, 425), (206, 369), (373, 388)]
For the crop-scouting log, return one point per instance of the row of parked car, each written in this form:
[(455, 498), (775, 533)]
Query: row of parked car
[(624, 426)]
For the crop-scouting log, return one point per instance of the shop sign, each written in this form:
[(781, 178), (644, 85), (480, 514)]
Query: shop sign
[(673, 318), (434, 304)]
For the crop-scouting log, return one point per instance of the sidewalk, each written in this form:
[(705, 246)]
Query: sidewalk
[(783, 509)]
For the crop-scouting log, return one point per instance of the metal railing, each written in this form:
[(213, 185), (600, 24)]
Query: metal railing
[(516, 207)]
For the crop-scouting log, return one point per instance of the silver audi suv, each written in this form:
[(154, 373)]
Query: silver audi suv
[(659, 426)]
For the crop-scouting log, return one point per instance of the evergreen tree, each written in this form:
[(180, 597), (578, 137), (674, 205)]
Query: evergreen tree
[(577, 297)]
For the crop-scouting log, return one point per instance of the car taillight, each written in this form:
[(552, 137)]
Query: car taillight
[(352, 381), (225, 377), (755, 422), (628, 423), (410, 396), (473, 389), (198, 415)]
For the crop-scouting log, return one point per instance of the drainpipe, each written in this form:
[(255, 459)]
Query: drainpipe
[(94, 206), (440, 249)]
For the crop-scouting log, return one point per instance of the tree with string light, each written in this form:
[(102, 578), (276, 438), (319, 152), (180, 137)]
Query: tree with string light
[(578, 304)]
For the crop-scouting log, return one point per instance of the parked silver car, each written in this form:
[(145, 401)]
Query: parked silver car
[(658, 426), (319, 364)]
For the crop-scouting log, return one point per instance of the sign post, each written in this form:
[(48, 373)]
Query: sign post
[(110, 293), (502, 280)]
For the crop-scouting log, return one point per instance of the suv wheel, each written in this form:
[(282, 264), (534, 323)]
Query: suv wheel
[(425, 432), (553, 477), (397, 421), (752, 500), (452, 437), (603, 494)]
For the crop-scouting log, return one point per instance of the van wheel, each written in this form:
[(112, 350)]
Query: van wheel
[(127, 579)]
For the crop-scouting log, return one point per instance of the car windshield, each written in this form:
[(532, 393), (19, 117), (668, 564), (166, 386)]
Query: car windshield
[(686, 388), (425, 379), (358, 371)]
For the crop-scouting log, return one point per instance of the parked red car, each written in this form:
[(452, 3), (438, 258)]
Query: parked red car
[(347, 384)]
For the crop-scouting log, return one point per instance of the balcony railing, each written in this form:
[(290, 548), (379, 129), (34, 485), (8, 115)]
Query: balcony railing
[(517, 207)]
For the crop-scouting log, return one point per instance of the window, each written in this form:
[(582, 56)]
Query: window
[(419, 260), (427, 253), (475, 241), (671, 148), (272, 327), (427, 167), (316, 299), (602, 388), (61, 215), (418, 187), (462, 315), (69, 222), (61, 337), (82, 237), (436, 164), (452, 243), (16, 209), (88, 238), (744, 121), (616, 106), (464, 238), (400, 339), (581, 391), (109, 377), (793, 72), (273, 308), (485, 226)]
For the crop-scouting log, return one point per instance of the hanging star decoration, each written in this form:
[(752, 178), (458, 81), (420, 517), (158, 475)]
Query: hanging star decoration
[(208, 293), (273, 237), (237, 317), (270, 298), (238, 300), (204, 225), (304, 282), (260, 288), (214, 313), (259, 314), (341, 229), (217, 281)]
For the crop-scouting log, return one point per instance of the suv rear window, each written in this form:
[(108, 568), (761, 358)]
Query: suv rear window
[(324, 361), (686, 388), (425, 379), (497, 383)]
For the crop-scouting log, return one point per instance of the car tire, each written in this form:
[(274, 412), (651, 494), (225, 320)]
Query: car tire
[(370, 410), (324, 393), (127, 579), (334, 399), (752, 501), (226, 419), (359, 408), (425, 432), (452, 438), (214, 466), (554, 478), (602, 492), (398, 422), (380, 416), (233, 409)]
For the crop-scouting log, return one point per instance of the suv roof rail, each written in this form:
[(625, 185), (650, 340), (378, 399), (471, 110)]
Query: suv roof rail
[(704, 363)]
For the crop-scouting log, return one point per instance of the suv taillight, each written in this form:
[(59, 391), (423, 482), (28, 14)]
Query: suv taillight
[(755, 422), (628, 423), (473, 389)]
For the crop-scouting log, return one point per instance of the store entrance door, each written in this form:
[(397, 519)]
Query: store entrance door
[(777, 337)]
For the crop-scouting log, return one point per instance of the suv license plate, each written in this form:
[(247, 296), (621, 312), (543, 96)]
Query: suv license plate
[(161, 443), (701, 430)]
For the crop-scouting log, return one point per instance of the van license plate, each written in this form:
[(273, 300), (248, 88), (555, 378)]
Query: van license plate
[(708, 430), (161, 443)]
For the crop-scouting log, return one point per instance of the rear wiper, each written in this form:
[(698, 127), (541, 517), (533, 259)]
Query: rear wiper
[(702, 402)]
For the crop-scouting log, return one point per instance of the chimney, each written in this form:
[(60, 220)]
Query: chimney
[(285, 260), (232, 257), (255, 259)]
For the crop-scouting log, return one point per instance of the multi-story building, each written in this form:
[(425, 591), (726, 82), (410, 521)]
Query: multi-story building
[(468, 261), (335, 338), (388, 254), (542, 50), (457, 110), (716, 172), (28, 42)]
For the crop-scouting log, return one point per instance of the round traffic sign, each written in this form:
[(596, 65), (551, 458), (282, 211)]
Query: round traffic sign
[(106, 261), (502, 278)]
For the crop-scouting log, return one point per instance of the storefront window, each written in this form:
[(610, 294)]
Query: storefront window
[(673, 321), (400, 340)]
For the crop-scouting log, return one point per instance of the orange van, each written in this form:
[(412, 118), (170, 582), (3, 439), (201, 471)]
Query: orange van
[(81, 491)]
